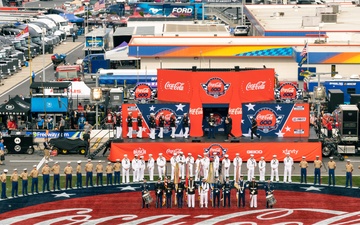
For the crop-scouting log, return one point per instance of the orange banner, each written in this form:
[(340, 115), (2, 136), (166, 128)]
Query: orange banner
[(267, 150)]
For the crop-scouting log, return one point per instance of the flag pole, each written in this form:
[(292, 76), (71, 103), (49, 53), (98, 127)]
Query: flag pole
[(308, 54)]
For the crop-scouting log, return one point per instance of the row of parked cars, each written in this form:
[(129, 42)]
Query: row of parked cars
[(16, 50)]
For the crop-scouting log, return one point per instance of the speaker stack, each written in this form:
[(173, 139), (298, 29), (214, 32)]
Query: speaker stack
[(335, 98)]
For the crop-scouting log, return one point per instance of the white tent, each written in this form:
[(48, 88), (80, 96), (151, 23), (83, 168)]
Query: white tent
[(119, 53)]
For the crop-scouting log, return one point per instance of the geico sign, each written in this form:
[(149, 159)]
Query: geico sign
[(254, 152), (182, 10)]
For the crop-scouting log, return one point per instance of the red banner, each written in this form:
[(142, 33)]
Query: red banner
[(126, 109), (214, 87), (265, 149)]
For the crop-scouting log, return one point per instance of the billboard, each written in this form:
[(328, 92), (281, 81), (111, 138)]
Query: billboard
[(277, 120)]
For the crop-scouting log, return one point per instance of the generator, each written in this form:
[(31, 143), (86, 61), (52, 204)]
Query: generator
[(348, 121)]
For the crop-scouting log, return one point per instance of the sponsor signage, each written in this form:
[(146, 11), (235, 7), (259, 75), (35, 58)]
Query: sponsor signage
[(297, 150)]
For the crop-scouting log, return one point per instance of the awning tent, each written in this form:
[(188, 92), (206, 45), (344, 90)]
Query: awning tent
[(121, 52), (15, 106), (72, 18)]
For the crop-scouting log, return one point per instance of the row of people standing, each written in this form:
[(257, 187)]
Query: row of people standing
[(218, 191)]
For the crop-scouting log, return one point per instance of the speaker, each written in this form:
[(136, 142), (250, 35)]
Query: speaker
[(194, 68), (354, 99), (118, 140), (235, 140), (195, 140), (237, 68), (335, 97)]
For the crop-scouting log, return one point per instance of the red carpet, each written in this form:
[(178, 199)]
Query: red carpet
[(125, 208)]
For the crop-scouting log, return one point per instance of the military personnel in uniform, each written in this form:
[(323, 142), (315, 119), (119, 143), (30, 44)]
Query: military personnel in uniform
[(109, 172), (144, 190), (56, 170), (253, 187), (227, 191), (89, 173), (168, 192), (269, 190), (141, 165), (274, 164), (161, 162), (139, 124), (186, 123), (332, 167), (34, 174), (152, 126), (46, 177), (237, 166), (191, 193), (3, 184), (14, 183), (161, 125), (303, 169), (68, 175), (150, 166), (24, 177), (180, 193), (129, 125), (99, 169), (226, 163), (125, 170), (172, 122), (251, 165), (317, 165), (203, 192), (262, 169), (241, 192), (288, 164), (212, 124), (349, 169), (216, 164), (118, 125), (78, 175), (159, 188), (216, 192), (180, 159)]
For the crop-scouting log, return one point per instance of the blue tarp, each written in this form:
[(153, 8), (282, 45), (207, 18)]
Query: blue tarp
[(72, 18), (49, 105)]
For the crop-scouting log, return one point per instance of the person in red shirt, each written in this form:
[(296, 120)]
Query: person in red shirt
[(329, 128)]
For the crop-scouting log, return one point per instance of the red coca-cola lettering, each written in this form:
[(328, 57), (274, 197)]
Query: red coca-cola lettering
[(216, 84), (172, 151), (178, 86), (256, 86), (265, 117), (196, 111), (235, 111), (288, 90), (142, 90)]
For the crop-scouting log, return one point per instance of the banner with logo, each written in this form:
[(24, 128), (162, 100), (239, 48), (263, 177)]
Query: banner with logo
[(146, 109), (259, 149), (277, 120), (288, 91), (54, 134), (143, 92), (215, 87)]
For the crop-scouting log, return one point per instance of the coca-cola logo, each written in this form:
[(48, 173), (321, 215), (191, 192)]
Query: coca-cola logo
[(178, 86), (196, 111), (215, 87), (288, 91), (142, 92), (166, 114), (139, 151), (235, 111), (260, 85), (172, 151), (267, 119), (220, 150)]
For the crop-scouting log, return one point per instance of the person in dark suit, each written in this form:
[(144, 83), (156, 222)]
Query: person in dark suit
[(212, 124), (86, 138), (254, 127), (228, 127)]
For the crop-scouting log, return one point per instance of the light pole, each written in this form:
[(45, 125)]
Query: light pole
[(43, 52)]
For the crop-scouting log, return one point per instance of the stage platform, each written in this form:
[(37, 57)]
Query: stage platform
[(264, 147)]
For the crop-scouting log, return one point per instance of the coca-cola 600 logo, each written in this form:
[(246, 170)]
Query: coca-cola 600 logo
[(215, 87), (166, 112), (220, 150), (288, 91), (267, 119), (142, 92)]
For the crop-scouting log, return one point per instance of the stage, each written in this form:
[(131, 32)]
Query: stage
[(266, 147)]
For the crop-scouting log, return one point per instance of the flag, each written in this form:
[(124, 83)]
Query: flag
[(99, 5), (303, 55), (23, 34)]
